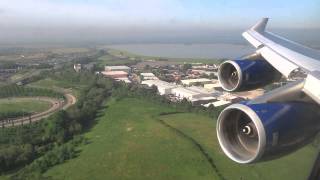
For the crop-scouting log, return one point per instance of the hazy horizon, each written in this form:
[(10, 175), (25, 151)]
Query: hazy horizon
[(152, 21)]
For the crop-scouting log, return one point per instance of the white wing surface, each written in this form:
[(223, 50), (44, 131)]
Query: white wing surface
[(286, 56)]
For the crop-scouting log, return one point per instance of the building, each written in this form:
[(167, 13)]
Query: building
[(118, 68), (213, 86), (192, 82), (164, 88), (181, 93), (123, 79), (196, 95), (148, 76), (115, 74), (77, 67), (200, 89)]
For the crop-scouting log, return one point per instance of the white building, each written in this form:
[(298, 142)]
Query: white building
[(148, 76), (124, 79), (77, 67), (118, 68), (190, 82), (195, 94), (163, 87), (214, 86), (191, 93)]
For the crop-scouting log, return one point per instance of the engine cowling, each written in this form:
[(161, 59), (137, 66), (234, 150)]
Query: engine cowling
[(241, 75), (249, 133)]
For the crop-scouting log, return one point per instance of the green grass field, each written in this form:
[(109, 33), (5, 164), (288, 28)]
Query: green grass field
[(49, 83), (111, 60), (129, 142), (27, 105)]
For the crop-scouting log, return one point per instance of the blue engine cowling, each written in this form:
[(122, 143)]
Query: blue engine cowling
[(249, 133), (241, 75)]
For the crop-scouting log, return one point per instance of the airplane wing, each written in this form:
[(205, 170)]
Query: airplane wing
[(280, 121), (288, 57)]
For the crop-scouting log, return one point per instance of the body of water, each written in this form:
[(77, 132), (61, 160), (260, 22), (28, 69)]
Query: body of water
[(187, 50)]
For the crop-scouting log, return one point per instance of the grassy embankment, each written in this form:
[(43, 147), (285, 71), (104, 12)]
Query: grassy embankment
[(26, 105), (49, 83), (130, 142)]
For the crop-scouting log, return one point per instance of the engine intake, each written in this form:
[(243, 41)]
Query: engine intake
[(249, 133), (240, 75)]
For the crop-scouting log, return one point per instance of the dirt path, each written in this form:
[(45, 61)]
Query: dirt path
[(56, 105)]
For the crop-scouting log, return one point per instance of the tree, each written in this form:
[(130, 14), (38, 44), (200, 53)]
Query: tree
[(185, 67)]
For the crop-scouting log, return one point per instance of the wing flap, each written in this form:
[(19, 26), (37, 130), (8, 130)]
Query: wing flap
[(282, 53), (277, 61), (287, 56), (312, 86)]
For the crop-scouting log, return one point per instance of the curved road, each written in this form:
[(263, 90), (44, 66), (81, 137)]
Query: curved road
[(56, 106)]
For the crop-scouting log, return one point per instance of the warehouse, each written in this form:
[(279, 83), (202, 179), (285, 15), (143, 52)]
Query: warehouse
[(123, 79), (148, 76), (182, 92), (194, 82), (164, 88), (115, 74), (214, 86), (118, 68)]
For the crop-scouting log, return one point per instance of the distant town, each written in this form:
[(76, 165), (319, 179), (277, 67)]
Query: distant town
[(196, 82)]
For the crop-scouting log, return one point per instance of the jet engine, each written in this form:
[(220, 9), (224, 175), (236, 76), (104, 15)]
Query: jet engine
[(241, 75), (249, 133)]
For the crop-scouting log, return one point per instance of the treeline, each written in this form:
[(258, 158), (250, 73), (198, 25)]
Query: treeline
[(47, 143), (13, 114), (21, 91)]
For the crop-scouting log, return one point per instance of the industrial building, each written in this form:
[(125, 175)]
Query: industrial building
[(123, 79), (115, 74), (213, 86), (148, 76), (193, 82), (118, 68), (164, 88), (181, 93)]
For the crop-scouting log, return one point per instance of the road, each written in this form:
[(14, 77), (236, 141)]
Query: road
[(56, 105)]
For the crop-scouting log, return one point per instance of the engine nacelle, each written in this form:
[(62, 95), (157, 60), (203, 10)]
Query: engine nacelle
[(240, 75), (249, 133)]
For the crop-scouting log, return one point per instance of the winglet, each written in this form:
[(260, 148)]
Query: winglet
[(261, 25)]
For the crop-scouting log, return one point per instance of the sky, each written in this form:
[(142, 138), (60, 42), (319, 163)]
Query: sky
[(40, 19)]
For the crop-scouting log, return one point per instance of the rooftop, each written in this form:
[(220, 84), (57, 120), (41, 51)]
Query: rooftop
[(159, 83), (186, 91), (114, 73), (147, 74), (117, 67), (187, 81)]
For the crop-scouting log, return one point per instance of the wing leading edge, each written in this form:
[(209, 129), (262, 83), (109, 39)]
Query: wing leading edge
[(286, 56)]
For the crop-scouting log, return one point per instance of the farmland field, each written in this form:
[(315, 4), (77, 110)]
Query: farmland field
[(132, 141)]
